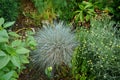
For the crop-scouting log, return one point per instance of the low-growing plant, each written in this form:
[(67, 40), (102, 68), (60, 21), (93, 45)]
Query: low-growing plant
[(97, 56), (55, 46), (9, 9), (14, 52)]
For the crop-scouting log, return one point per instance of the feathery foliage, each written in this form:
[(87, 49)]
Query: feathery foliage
[(55, 46)]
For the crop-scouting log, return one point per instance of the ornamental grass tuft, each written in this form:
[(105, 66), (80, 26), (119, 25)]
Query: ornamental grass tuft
[(55, 46)]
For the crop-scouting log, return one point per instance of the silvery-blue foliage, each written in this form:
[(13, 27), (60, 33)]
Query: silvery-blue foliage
[(55, 46)]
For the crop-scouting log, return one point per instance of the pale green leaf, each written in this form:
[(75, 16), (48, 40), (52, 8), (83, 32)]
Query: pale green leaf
[(10, 50), (15, 60), (2, 21), (3, 36), (16, 43), (2, 53), (8, 24), (4, 61), (22, 50)]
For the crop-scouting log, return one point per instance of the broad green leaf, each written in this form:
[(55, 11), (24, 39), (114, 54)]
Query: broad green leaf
[(2, 21), (3, 36), (24, 59), (15, 60), (22, 50), (8, 75), (10, 50), (2, 53), (16, 43), (8, 24), (4, 61), (14, 34)]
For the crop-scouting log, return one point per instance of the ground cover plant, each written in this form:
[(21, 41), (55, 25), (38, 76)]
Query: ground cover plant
[(97, 56)]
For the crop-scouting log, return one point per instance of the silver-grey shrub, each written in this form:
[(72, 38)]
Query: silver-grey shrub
[(55, 46)]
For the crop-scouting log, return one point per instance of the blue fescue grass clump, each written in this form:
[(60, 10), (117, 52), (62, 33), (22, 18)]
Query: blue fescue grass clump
[(55, 46)]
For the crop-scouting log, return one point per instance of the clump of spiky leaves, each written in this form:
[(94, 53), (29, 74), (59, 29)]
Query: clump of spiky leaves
[(55, 46)]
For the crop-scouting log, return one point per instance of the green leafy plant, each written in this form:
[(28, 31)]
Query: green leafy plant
[(85, 11), (9, 9), (55, 46), (48, 72), (13, 52), (97, 56)]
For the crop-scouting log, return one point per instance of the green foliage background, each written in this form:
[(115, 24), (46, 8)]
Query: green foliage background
[(9, 9)]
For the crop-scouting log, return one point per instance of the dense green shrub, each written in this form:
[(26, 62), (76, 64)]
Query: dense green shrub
[(9, 9), (13, 52), (97, 56)]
